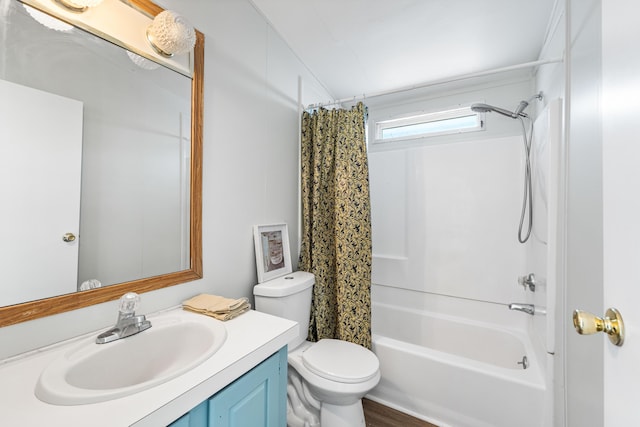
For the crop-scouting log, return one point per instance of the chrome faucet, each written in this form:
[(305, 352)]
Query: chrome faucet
[(528, 281), (128, 323), (525, 308)]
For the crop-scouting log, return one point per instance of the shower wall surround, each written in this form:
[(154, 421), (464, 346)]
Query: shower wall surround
[(445, 211), (445, 216), (447, 220)]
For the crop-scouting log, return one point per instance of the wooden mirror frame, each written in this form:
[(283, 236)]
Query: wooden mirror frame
[(18, 313)]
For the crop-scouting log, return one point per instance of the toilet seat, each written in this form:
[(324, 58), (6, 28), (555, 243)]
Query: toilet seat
[(340, 361)]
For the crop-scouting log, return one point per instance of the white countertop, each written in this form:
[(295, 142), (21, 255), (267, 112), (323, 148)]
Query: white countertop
[(251, 338)]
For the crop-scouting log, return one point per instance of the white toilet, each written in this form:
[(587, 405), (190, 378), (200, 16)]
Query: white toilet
[(327, 379)]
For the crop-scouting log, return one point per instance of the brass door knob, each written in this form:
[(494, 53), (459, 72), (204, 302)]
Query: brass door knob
[(68, 237), (587, 323)]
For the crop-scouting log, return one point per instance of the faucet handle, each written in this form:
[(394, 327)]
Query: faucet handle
[(129, 303), (528, 281)]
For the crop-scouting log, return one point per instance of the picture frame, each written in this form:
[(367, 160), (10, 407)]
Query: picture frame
[(273, 255)]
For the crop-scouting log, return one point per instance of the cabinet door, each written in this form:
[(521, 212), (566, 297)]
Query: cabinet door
[(197, 417), (256, 399)]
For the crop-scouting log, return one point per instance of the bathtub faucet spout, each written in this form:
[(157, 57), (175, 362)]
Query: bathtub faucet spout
[(525, 308)]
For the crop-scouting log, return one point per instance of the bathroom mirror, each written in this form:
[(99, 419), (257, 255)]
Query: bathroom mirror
[(140, 179)]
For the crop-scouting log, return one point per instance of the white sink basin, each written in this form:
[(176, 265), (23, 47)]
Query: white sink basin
[(91, 373)]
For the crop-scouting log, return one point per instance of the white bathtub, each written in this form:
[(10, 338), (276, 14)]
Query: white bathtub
[(454, 372)]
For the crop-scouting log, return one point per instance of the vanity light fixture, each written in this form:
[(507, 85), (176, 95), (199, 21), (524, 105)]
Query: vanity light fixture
[(78, 6), (171, 34)]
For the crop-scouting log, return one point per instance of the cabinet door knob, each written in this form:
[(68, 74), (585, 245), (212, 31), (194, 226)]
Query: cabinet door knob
[(68, 237), (587, 323)]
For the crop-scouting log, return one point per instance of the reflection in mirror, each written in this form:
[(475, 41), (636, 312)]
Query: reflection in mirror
[(100, 158)]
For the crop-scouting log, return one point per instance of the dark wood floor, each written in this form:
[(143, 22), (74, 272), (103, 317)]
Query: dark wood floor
[(377, 415)]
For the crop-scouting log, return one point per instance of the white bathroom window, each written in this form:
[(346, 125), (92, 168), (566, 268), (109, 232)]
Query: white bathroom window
[(437, 123)]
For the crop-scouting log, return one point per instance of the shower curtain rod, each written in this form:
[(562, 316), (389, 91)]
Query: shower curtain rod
[(437, 82)]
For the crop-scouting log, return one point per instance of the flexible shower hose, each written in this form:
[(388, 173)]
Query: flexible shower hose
[(527, 198)]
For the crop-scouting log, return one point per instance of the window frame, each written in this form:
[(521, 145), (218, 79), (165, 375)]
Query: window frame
[(418, 118)]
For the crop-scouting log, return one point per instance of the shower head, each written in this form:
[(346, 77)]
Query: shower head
[(520, 108), (519, 111), (486, 108)]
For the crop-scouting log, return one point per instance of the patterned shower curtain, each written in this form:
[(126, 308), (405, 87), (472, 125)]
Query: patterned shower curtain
[(336, 223)]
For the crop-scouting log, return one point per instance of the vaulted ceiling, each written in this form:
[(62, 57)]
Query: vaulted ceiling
[(359, 47)]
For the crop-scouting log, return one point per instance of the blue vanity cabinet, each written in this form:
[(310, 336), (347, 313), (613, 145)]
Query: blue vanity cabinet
[(257, 399), (197, 417)]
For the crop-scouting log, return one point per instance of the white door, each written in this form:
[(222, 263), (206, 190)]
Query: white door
[(602, 378), (40, 156), (621, 204)]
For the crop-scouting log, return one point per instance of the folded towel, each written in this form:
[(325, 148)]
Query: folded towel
[(230, 315), (215, 306), (214, 303)]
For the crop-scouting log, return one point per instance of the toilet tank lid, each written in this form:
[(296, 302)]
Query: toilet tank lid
[(288, 284)]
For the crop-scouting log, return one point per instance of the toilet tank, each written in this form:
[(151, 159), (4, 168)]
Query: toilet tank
[(288, 296)]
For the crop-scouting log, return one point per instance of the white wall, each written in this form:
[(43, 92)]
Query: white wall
[(132, 190), (250, 162)]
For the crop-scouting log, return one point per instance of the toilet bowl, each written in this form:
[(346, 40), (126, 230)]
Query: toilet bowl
[(337, 372), (327, 379)]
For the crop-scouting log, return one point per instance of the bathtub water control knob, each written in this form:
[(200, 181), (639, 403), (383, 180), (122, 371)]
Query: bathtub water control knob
[(587, 323), (528, 281)]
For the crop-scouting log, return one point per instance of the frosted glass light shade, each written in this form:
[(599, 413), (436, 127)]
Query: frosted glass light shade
[(48, 20), (141, 62), (170, 34)]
